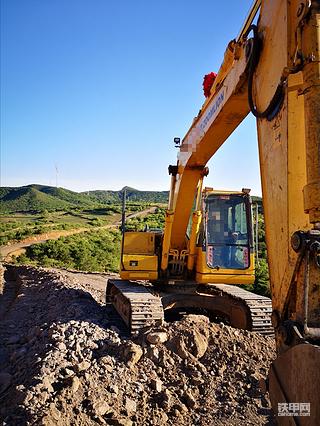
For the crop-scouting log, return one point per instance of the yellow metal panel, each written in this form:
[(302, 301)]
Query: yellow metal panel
[(135, 262), (166, 239), (196, 220), (281, 149), (204, 274), (138, 275), (139, 243), (224, 278)]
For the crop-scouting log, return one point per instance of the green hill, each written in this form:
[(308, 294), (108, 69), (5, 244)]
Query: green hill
[(40, 197), (64, 194), (132, 195)]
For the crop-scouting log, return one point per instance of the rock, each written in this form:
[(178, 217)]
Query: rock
[(132, 353), (189, 399), (107, 368), (75, 384), (54, 413), (179, 347), (198, 344), (5, 381), (163, 418), (176, 412), (74, 370), (190, 344), (47, 384), (113, 389), (153, 354), (120, 421), (82, 366), (130, 406), (100, 408), (222, 369), (62, 347), (156, 384), (180, 407), (165, 399), (69, 372), (13, 340), (157, 337)]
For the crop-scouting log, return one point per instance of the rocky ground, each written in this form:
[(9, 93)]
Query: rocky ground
[(67, 360)]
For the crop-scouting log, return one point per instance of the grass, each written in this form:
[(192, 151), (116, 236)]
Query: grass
[(18, 226), (94, 251), (15, 227)]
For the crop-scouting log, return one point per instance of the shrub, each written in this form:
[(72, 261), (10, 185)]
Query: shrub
[(90, 251)]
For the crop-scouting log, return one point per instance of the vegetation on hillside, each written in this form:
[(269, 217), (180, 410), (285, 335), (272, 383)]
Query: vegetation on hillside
[(150, 222), (29, 199), (61, 209), (100, 250), (18, 226), (262, 284), (90, 251), (132, 195), (28, 231), (36, 198)]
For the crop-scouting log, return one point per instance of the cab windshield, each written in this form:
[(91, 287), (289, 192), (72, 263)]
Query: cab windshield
[(228, 222)]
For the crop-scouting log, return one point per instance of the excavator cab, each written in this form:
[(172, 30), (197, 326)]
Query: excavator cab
[(226, 241), (228, 236)]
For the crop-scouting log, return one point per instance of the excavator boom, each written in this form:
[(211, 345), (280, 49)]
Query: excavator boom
[(272, 69)]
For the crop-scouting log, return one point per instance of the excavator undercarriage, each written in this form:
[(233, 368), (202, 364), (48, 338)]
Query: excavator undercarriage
[(140, 305)]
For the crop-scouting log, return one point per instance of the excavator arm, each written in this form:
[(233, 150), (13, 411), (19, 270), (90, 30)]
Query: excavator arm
[(273, 70)]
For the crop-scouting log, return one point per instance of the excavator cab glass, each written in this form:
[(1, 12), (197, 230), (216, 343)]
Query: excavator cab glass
[(228, 231)]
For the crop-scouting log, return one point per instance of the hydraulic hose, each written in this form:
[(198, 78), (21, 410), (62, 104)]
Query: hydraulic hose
[(275, 104)]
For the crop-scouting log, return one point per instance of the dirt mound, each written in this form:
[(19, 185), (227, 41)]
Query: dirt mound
[(66, 360)]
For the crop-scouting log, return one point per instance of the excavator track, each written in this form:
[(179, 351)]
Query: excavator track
[(140, 306), (260, 307), (136, 305)]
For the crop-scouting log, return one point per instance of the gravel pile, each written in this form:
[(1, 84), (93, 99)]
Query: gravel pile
[(65, 361)]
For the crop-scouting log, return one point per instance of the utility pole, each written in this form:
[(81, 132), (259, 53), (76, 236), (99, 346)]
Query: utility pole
[(56, 167), (123, 224)]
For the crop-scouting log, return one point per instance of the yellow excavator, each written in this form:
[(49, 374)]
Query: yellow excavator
[(272, 69)]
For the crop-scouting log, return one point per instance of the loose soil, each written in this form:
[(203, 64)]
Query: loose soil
[(66, 359)]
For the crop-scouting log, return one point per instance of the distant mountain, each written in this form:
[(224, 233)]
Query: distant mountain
[(133, 195), (40, 197)]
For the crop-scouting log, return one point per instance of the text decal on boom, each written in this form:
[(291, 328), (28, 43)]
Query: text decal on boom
[(212, 112), (199, 129)]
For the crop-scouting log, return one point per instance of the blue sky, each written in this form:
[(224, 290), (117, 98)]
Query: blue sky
[(100, 88)]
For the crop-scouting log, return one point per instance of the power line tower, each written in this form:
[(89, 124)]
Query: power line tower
[(57, 171)]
